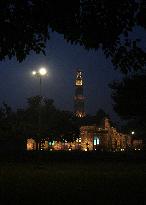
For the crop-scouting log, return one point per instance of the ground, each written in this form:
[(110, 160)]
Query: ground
[(73, 178)]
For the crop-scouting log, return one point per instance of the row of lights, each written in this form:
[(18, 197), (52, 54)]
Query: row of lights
[(40, 72)]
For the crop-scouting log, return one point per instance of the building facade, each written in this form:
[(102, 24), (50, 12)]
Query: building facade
[(92, 138), (105, 138)]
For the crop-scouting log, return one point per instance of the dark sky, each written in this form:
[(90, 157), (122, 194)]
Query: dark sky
[(61, 60)]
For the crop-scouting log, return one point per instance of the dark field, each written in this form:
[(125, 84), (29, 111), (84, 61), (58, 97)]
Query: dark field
[(73, 178)]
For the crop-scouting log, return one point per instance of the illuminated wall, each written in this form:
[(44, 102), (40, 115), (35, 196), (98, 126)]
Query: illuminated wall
[(109, 139), (92, 138), (87, 135), (31, 144)]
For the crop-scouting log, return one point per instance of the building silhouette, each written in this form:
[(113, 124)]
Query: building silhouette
[(79, 96)]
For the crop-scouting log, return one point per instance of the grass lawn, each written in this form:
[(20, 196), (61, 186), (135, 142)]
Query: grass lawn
[(96, 181)]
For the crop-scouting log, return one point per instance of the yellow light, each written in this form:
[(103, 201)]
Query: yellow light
[(85, 150), (34, 72), (79, 82), (42, 71)]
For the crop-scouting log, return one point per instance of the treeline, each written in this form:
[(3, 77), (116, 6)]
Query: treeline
[(40, 119)]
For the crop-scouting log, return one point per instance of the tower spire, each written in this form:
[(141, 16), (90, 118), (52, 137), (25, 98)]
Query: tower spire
[(79, 97)]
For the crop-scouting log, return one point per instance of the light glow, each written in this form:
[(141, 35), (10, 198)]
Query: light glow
[(132, 132), (42, 71), (34, 72)]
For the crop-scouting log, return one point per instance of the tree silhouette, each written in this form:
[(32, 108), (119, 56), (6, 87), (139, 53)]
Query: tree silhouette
[(129, 98), (27, 25), (24, 123), (42, 120)]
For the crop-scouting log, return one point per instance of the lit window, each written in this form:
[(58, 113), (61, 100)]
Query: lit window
[(96, 140), (79, 82)]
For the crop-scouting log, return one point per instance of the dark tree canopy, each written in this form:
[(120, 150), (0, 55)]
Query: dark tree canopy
[(39, 120), (26, 25), (129, 98)]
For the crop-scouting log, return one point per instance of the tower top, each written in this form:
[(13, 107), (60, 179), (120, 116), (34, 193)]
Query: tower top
[(79, 78)]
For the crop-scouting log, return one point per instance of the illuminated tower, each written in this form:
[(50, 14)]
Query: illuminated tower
[(79, 98)]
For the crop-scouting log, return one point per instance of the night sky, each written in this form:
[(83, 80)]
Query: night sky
[(62, 60)]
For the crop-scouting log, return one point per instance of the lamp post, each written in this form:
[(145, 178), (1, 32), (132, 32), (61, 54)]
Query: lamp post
[(40, 73)]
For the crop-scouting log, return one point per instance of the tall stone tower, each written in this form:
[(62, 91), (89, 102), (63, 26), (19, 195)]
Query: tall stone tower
[(79, 97)]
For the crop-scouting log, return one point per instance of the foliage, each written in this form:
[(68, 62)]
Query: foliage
[(39, 120), (6, 117), (27, 25), (130, 101)]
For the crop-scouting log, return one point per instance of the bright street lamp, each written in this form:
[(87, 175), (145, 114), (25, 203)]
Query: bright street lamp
[(41, 72)]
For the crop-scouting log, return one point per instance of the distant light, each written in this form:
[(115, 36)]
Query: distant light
[(139, 149), (135, 149), (132, 132), (42, 71), (95, 149), (34, 72), (69, 149), (85, 150)]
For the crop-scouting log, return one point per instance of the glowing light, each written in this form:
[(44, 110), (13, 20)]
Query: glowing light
[(79, 82), (42, 71), (69, 149), (86, 150), (34, 72), (132, 132)]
